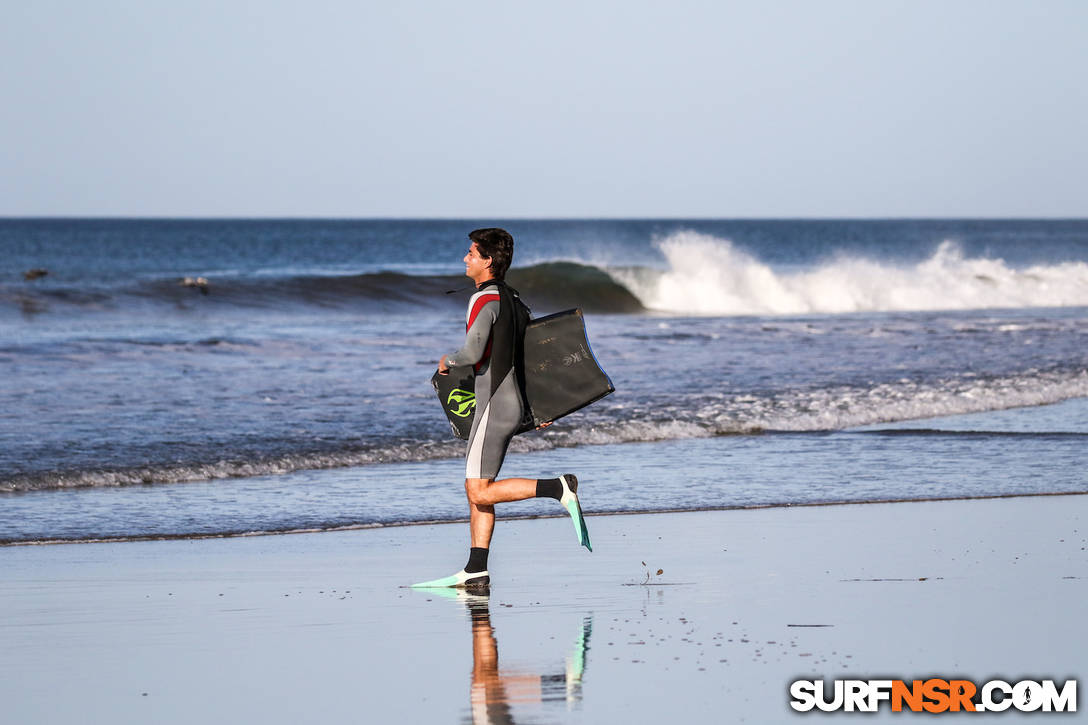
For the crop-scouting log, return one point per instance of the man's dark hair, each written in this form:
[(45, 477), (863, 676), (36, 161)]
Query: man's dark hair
[(497, 245)]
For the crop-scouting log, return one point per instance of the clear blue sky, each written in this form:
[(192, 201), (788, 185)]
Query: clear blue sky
[(583, 109)]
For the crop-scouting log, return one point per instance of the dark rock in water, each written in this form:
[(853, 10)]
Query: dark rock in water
[(200, 283), (35, 273)]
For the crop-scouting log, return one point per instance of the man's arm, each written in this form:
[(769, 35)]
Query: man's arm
[(482, 315)]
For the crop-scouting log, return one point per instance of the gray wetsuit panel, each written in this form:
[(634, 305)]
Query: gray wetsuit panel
[(492, 345)]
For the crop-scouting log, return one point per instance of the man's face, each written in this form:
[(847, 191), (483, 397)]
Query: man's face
[(477, 267)]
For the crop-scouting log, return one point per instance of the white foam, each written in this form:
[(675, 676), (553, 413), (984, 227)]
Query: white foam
[(708, 275), (821, 409), (838, 408), (424, 451)]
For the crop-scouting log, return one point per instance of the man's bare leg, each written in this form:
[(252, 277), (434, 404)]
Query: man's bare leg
[(483, 494)]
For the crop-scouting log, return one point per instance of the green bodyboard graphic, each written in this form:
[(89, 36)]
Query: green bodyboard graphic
[(461, 402)]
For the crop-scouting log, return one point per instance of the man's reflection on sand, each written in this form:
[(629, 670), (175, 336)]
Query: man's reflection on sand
[(493, 690)]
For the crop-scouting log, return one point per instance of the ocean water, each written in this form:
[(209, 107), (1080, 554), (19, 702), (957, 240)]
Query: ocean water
[(755, 362)]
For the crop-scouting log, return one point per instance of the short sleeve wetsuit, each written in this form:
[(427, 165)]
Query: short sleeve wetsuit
[(495, 331)]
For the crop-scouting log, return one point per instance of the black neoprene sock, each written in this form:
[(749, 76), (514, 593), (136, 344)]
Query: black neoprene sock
[(477, 560), (549, 488)]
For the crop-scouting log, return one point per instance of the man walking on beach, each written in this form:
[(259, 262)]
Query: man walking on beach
[(495, 331)]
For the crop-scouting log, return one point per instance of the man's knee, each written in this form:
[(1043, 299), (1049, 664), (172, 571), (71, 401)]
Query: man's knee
[(475, 488)]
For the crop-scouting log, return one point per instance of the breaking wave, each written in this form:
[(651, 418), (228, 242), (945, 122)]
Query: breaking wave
[(707, 275)]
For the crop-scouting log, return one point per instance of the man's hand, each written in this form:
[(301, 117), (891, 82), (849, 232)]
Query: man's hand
[(443, 368), (542, 426)]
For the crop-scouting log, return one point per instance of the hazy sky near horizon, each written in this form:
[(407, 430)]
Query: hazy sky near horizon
[(568, 109)]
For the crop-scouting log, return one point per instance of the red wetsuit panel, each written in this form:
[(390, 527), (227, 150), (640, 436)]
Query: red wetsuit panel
[(480, 302), (483, 300)]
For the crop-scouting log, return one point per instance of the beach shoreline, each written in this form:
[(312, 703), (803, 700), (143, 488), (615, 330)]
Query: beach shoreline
[(981, 455), (528, 517)]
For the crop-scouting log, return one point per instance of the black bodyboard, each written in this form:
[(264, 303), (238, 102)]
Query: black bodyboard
[(561, 375), (457, 394)]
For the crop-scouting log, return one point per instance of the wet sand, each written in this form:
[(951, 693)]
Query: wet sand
[(296, 628)]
